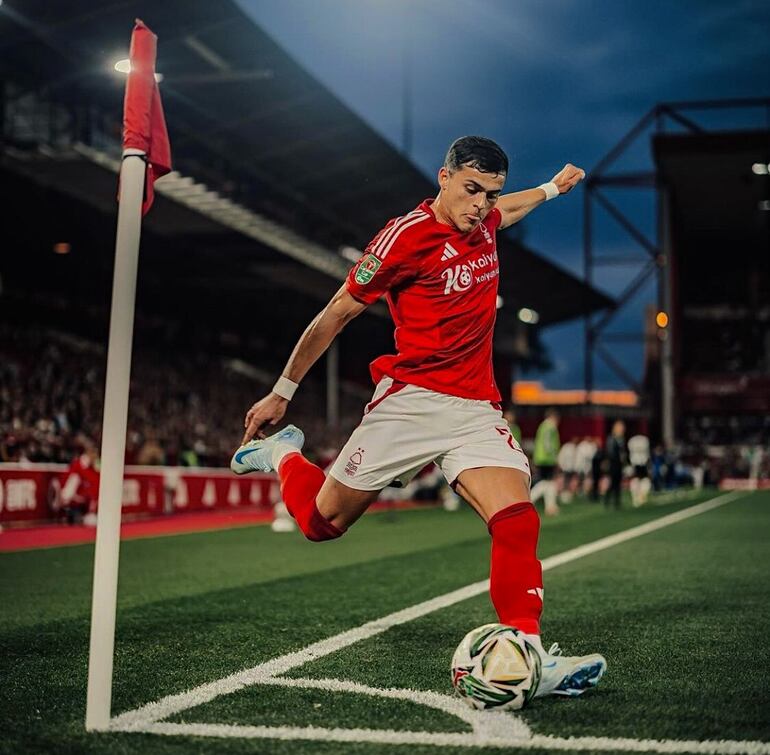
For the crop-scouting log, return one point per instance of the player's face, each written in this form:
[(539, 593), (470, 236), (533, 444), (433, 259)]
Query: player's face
[(468, 195)]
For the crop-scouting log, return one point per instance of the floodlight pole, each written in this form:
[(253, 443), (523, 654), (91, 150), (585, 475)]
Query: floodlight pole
[(105, 587), (667, 384)]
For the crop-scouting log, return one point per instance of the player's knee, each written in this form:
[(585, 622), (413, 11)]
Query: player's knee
[(320, 537), (317, 528)]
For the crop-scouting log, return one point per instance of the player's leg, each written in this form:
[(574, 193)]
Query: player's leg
[(301, 480), (644, 488), (501, 497), (633, 486), (516, 581), (342, 505), (323, 507), (551, 495)]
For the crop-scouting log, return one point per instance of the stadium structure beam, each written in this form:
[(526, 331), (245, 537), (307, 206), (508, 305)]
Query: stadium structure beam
[(657, 258), (632, 230)]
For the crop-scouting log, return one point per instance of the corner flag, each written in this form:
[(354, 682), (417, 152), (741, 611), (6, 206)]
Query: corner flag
[(146, 156), (144, 125)]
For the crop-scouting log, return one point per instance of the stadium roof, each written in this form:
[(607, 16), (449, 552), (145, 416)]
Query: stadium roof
[(246, 120)]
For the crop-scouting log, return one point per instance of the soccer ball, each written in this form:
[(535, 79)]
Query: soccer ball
[(496, 667)]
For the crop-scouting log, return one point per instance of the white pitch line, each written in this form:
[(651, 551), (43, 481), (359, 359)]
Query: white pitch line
[(320, 734), (148, 717), (460, 739), (484, 724)]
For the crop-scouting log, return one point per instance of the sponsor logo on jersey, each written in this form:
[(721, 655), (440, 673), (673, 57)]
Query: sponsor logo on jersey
[(366, 270), (458, 278), (485, 260), (486, 233), (461, 277), (449, 252)]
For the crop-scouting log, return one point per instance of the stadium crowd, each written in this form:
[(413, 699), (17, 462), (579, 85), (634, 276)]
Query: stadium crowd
[(184, 409), (187, 409)]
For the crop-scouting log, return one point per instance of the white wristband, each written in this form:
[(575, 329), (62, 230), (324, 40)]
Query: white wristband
[(551, 190), (285, 388)]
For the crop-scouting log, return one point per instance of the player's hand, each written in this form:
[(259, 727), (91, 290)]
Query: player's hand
[(267, 411), (568, 177)]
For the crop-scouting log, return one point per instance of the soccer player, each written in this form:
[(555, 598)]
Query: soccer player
[(436, 398), (639, 457), (546, 456)]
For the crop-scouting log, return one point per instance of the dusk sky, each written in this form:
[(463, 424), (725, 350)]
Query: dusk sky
[(552, 81)]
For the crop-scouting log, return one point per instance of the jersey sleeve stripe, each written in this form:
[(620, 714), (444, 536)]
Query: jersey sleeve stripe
[(389, 231), (385, 238), (413, 221)]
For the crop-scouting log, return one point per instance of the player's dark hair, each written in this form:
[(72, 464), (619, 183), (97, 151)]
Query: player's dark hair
[(476, 152)]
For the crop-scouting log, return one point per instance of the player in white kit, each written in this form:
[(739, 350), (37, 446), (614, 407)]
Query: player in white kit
[(639, 458)]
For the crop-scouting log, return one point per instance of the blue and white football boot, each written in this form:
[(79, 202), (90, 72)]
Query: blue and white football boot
[(257, 455), (569, 675)]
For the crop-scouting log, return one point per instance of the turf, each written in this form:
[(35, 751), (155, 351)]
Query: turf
[(682, 615)]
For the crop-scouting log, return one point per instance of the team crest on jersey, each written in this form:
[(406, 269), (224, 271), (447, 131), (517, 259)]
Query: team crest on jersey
[(367, 269)]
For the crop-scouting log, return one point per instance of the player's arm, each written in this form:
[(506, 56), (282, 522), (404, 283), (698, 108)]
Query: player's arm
[(513, 207), (312, 344)]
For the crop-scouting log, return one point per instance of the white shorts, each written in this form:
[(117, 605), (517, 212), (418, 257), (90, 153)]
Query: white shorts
[(406, 427)]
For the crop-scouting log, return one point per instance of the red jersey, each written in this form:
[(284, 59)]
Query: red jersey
[(441, 288), (81, 482)]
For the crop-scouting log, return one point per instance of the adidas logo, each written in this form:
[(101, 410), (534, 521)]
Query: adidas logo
[(449, 252), (536, 591)]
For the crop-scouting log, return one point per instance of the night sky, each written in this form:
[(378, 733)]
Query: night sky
[(551, 80)]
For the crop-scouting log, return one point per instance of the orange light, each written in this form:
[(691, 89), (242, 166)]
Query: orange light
[(62, 247), (661, 319), (534, 393)]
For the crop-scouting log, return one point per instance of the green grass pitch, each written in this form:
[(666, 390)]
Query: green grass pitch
[(682, 614)]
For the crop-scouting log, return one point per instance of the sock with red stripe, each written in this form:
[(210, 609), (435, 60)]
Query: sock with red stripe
[(516, 577), (300, 483)]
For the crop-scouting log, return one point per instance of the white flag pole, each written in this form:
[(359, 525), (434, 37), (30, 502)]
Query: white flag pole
[(105, 587)]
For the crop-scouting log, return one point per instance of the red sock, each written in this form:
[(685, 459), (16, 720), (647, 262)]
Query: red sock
[(300, 483), (516, 577)]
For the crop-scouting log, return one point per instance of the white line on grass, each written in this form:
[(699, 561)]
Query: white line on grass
[(459, 739), (487, 729)]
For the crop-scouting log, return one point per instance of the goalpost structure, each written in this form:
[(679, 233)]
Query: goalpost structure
[(146, 156)]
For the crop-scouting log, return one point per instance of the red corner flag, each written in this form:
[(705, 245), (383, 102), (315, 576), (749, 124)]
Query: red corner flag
[(144, 126)]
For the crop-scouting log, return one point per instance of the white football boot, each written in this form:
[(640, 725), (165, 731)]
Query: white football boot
[(257, 455), (569, 675)]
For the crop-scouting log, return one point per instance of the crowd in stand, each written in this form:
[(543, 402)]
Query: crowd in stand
[(187, 409), (184, 409)]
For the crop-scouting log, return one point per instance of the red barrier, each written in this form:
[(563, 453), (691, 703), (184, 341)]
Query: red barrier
[(32, 492)]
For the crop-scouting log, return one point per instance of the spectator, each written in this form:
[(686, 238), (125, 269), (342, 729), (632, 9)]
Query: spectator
[(546, 455), (80, 486), (151, 453)]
